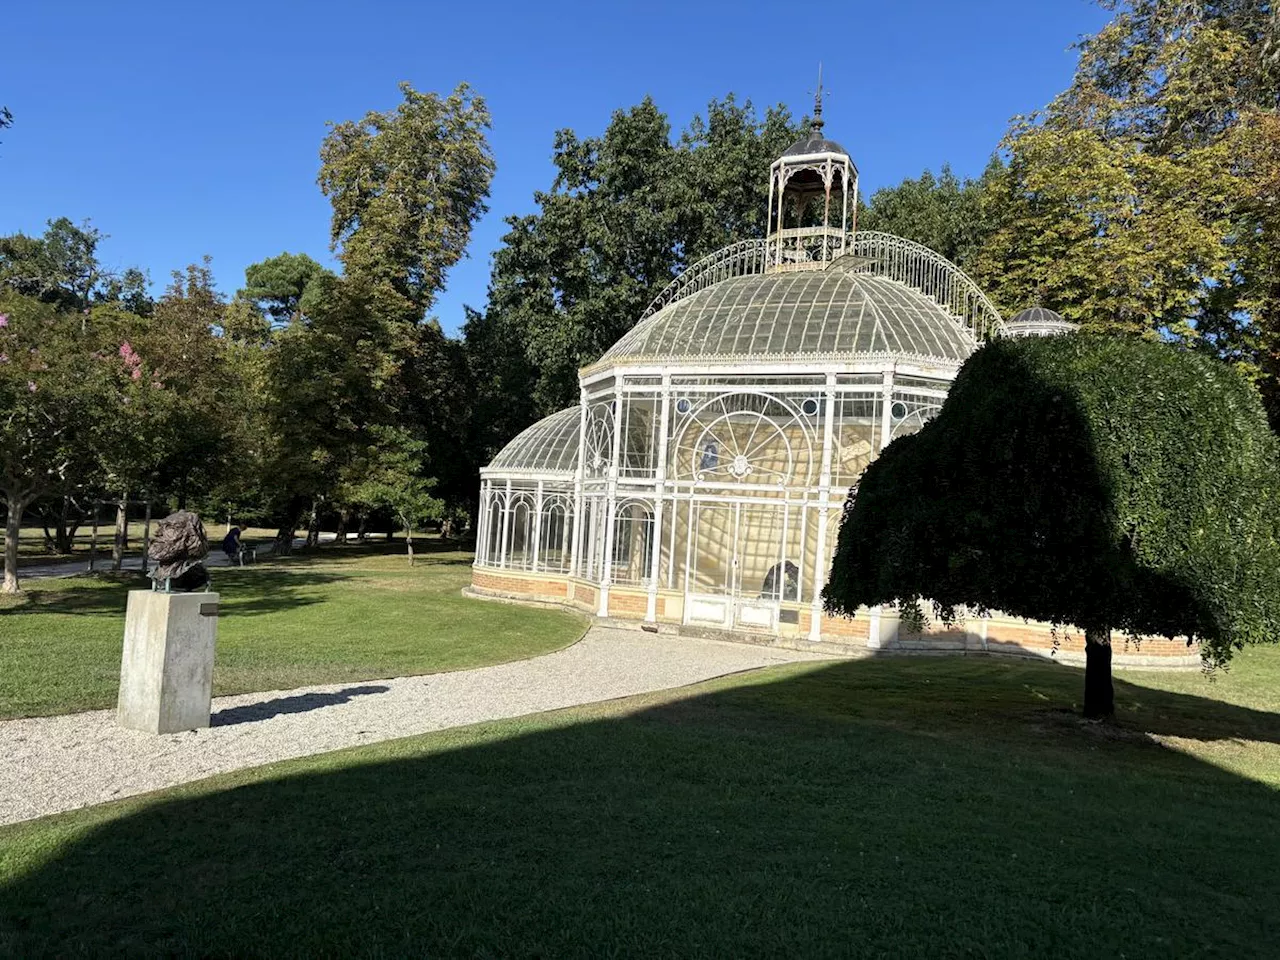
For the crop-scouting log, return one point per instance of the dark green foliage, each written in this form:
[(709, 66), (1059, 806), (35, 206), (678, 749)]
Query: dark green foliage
[(60, 267), (285, 287), (628, 210), (1107, 482), (944, 213)]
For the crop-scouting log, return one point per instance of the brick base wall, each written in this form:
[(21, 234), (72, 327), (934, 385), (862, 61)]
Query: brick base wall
[(555, 589), (1002, 636), (836, 628)]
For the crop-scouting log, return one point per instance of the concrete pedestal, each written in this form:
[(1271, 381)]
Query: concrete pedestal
[(166, 673)]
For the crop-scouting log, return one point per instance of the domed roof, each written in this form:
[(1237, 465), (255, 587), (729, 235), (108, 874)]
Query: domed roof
[(1037, 322), (549, 446), (803, 316), (813, 142)]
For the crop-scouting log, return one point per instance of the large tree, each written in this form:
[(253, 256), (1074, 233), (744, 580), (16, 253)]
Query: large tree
[(406, 187), (285, 288), (627, 211), (1102, 481), (54, 388), (1144, 197), (60, 267)]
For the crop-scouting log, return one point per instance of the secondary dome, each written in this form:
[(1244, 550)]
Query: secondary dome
[(789, 317), (1037, 322), (548, 447), (813, 142)]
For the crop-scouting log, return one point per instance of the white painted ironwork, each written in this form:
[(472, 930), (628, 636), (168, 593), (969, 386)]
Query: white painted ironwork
[(715, 445), (920, 268), (742, 259), (1038, 322)]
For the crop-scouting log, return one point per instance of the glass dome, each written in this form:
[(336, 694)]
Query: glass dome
[(548, 448), (1037, 322), (832, 314)]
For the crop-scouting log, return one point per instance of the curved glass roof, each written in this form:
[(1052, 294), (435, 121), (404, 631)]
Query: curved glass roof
[(824, 314), (549, 446)]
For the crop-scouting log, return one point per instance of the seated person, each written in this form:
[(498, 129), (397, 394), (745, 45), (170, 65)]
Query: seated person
[(231, 544)]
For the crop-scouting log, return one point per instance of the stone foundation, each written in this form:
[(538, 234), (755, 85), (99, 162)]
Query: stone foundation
[(869, 632)]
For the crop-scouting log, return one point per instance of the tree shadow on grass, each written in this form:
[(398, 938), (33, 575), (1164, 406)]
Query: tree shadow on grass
[(273, 591), (823, 810), (428, 552), (242, 592)]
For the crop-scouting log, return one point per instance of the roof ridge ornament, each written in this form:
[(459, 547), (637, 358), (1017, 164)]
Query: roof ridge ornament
[(817, 123)]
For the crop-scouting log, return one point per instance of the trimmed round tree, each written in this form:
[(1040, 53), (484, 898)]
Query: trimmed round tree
[(1109, 483)]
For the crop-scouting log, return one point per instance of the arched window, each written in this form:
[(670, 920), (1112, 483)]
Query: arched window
[(493, 533), (632, 543), (520, 534), (554, 537)]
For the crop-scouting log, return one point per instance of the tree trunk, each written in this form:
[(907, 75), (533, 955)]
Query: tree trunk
[(1099, 692), (146, 539), (67, 522), (360, 533), (344, 518), (284, 539), (93, 537), (50, 538), (12, 527), (313, 526), (122, 533)]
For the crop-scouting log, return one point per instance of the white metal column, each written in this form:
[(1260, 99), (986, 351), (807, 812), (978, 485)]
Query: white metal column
[(651, 604), (537, 527), (819, 574), (886, 408), (575, 565), (482, 524), (504, 549), (611, 502)]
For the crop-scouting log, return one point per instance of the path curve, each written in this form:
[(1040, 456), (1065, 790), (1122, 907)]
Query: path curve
[(53, 764)]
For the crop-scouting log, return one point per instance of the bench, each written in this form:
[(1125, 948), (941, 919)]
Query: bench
[(253, 552)]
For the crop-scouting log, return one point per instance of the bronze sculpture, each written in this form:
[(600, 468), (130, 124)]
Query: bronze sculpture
[(177, 550)]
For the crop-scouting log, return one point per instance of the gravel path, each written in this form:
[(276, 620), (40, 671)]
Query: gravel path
[(52, 764)]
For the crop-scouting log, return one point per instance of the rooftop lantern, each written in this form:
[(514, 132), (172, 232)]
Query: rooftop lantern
[(813, 200)]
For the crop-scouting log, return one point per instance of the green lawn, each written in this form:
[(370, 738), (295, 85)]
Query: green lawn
[(929, 807), (330, 616)]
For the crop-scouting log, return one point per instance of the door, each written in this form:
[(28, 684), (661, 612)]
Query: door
[(735, 575), (709, 570)]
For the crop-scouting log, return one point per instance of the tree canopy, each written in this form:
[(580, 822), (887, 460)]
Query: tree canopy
[(626, 212), (1102, 481), (406, 187), (943, 212), (1146, 196)]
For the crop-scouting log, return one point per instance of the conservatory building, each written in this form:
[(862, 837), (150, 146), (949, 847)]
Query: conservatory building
[(699, 483)]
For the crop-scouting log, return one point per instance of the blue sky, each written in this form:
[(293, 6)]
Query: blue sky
[(183, 129)]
